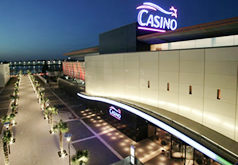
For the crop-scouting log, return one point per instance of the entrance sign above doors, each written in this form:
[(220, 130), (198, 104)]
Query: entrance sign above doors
[(115, 112)]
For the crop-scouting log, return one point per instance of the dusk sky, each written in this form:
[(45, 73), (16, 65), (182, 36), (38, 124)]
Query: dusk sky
[(46, 29)]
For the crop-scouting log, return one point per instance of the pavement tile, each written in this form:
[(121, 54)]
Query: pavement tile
[(98, 153), (34, 144), (78, 130), (120, 142)]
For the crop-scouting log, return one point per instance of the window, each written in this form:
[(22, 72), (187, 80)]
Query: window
[(148, 84), (190, 89), (167, 86), (218, 94)]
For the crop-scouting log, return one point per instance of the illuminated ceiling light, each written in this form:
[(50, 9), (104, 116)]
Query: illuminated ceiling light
[(122, 144), (152, 144), (103, 128), (162, 163), (126, 140), (111, 129), (162, 158), (162, 125), (140, 150), (149, 147), (113, 137)]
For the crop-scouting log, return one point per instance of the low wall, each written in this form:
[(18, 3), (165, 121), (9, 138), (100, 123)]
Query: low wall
[(69, 87), (42, 79)]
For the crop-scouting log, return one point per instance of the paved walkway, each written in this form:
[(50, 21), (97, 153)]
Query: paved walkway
[(34, 145)]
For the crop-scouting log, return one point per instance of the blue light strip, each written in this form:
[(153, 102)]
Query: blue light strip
[(162, 125)]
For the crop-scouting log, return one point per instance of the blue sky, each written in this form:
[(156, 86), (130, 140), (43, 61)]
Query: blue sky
[(45, 29)]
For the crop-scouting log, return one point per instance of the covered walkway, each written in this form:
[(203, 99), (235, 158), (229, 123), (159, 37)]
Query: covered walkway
[(34, 144)]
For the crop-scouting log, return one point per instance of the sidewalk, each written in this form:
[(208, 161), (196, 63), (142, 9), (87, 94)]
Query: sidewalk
[(34, 145)]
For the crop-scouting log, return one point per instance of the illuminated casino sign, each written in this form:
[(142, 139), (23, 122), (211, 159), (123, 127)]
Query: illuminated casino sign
[(152, 17), (115, 112)]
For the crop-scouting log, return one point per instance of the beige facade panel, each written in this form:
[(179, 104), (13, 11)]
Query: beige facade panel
[(200, 84)]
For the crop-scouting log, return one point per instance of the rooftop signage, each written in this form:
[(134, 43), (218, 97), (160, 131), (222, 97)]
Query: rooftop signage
[(115, 112), (152, 17)]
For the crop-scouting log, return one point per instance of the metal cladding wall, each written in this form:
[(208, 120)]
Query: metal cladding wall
[(119, 40), (122, 39)]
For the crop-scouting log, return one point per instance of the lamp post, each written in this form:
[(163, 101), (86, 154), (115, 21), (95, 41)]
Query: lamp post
[(132, 155), (7, 124), (68, 138)]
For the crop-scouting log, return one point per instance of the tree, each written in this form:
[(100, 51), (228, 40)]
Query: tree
[(40, 94), (44, 102), (16, 91), (52, 111), (61, 127), (13, 108), (11, 119), (80, 158), (37, 86), (47, 113), (14, 99), (6, 138), (5, 119)]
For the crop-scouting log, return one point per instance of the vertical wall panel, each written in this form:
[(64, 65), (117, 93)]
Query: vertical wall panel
[(118, 81), (108, 89), (221, 73), (191, 73), (236, 128), (89, 74), (169, 73), (149, 78), (131, 64)]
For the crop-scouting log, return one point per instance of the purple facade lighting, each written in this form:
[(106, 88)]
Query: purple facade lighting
[(151, 29), (146, 7)]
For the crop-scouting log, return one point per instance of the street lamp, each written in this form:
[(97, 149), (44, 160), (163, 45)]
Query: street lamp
[(7, 124), (132, 154), (68, 138)]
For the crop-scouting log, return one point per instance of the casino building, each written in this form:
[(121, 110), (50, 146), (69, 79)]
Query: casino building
[(183, 81)]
